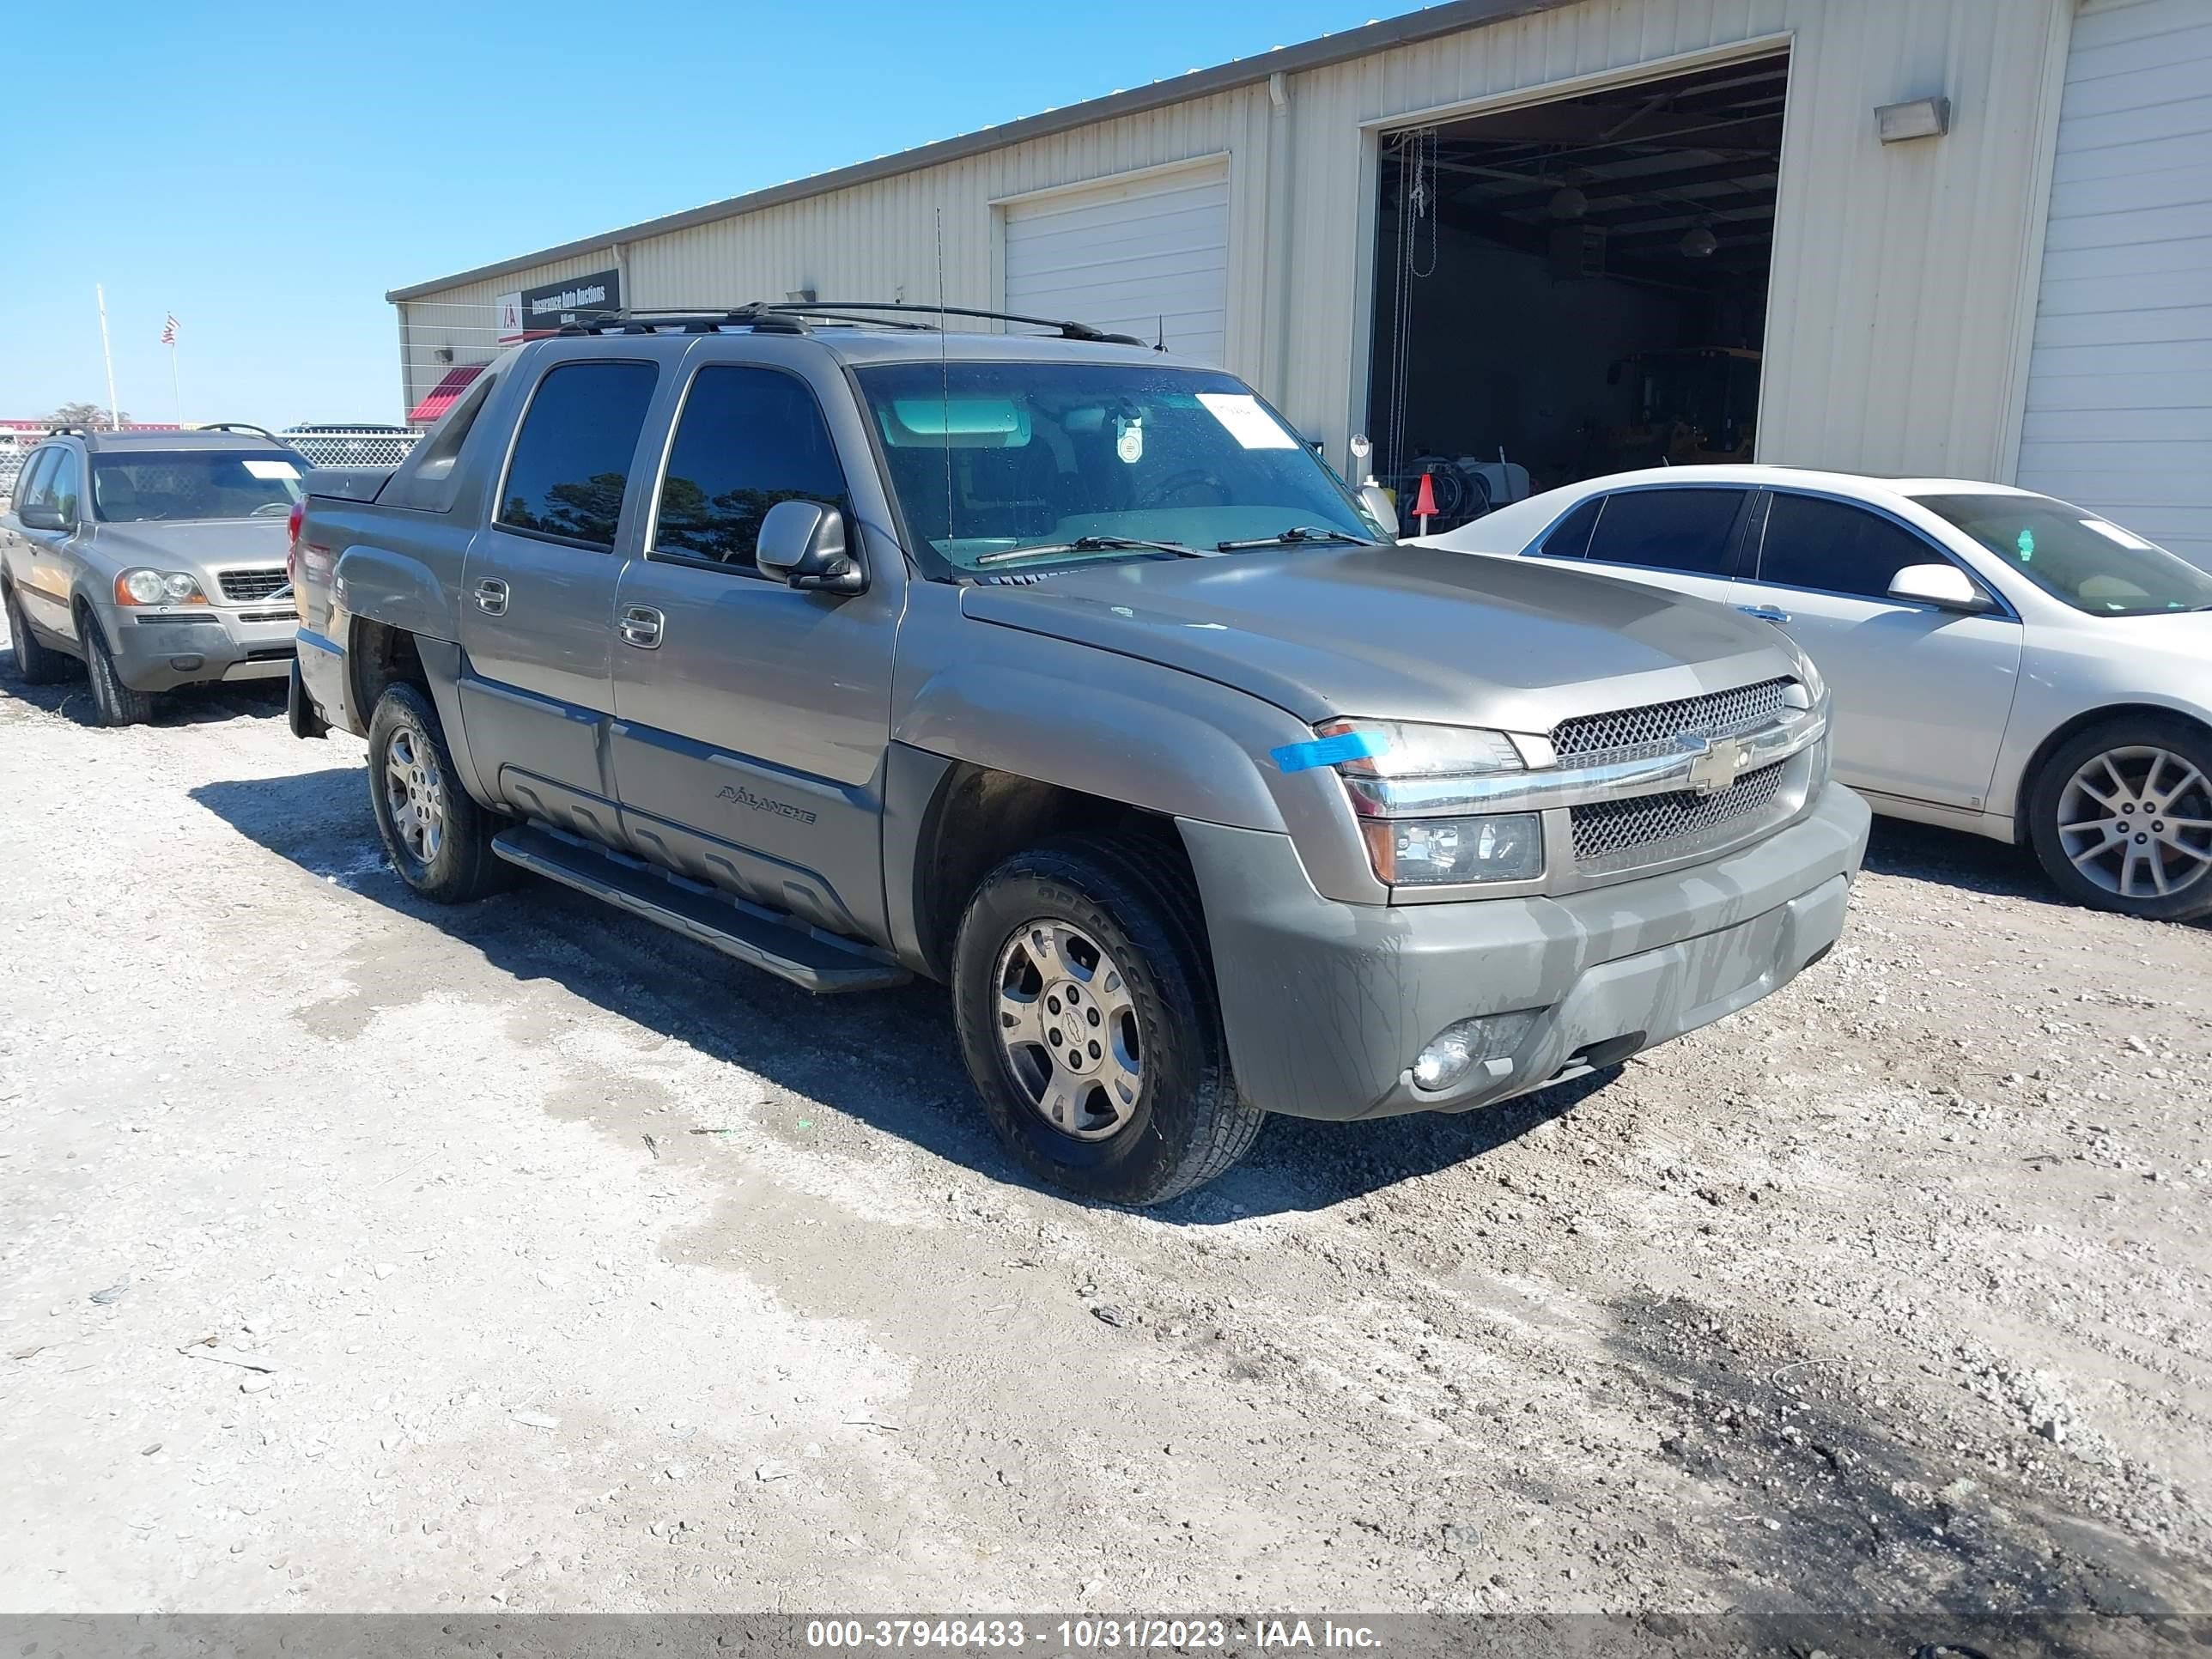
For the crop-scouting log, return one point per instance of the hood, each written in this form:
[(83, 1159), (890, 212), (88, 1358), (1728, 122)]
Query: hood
[(200, 546), (1400, 633)]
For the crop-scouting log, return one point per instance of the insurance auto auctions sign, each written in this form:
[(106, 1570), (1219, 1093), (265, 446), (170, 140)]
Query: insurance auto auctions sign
[(535, 310)]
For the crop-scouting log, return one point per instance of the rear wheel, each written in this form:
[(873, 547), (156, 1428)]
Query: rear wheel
[(113, 703), (438, 838), (1087, 1017), (2121, 819), (35, 663)]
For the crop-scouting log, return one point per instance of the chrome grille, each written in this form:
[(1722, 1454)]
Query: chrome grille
[(252, 583), (1652, 729), (1604, 829)]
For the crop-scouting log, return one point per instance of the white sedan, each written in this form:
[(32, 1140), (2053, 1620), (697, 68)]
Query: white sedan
[(2002, 662)]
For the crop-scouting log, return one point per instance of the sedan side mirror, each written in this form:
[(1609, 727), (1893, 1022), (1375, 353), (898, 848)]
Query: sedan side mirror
[(42, 517), (1943, 586), (1380, 504), (803, 544)]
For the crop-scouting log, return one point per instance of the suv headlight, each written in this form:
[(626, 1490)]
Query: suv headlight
[(158, 587), (1404, 777)]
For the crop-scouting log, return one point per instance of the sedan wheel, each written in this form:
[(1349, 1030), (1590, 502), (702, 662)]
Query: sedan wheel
[(2122, 819), (2138, 822)]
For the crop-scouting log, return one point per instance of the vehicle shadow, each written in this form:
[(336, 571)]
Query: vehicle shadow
[(196, 705), (1923, 852), (888, 1059)]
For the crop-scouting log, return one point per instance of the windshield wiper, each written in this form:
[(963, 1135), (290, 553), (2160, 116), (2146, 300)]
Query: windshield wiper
[(1093, 545), (1296, 534)]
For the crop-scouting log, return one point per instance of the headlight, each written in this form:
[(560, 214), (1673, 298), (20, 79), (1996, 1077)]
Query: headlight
[(158, 587), (1444, 851)]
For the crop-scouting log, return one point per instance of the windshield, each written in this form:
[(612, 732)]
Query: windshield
[(195, 484), (2073, 554), (989, 458)]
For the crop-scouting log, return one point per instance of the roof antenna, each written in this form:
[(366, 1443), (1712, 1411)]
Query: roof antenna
[(944, 377), (1161, 343)]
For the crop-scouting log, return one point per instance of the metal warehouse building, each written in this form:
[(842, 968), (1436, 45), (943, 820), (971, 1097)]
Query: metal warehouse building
[(1523, 242)]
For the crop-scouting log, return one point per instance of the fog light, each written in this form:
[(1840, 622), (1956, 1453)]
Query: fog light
[(1465, 1043)]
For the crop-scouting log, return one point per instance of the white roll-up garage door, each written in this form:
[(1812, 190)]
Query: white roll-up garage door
[(1132, 257), (2119, 390)]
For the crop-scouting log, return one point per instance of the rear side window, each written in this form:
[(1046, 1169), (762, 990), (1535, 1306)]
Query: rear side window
[(1836, 547), (1689, 531), (1570, 536), (748, 438), (30, 482), (571, 466)]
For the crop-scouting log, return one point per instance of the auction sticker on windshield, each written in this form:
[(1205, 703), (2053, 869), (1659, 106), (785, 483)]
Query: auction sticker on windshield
[(272, 468), (1248, 423)]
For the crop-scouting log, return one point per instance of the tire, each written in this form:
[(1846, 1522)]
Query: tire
[(1132, 907), (113, 703), (36, 664), (437, 837), (2123, 811)]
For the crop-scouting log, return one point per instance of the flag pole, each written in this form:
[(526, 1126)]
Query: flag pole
[(114, 414), (176, 392)]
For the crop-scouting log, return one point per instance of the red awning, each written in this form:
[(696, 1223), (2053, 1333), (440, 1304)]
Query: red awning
[(444, 395)]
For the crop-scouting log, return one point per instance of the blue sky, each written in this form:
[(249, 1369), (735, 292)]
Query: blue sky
[(267, 173)]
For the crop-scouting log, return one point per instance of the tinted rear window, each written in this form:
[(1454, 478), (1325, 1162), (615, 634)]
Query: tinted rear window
[(1570, 536), (1689, 531), (571, 466)]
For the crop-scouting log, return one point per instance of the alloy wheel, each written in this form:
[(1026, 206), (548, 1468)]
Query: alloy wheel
[(1068, 1027), (415, 790), (2136, 821)]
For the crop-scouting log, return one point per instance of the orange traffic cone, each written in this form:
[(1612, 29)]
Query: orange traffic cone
[(1424, 504)]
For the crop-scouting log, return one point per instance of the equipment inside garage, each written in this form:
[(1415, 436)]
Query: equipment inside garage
[(1574, 287)]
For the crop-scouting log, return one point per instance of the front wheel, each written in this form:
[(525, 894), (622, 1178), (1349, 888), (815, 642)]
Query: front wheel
[(2121, 819), (438, 838), (113, 703), (1087, 1017)]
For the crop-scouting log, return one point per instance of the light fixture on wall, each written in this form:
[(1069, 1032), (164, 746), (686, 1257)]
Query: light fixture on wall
[(1698, 242), (1923, 118), (801, 296), (1568, 204), (444, 354)]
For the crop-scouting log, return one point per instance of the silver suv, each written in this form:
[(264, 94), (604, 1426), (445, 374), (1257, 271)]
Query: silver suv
[(1063, 672), (156, 558)]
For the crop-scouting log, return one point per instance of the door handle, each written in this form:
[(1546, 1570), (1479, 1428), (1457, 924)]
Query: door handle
[(1766, 613), (641, 627), (491, 597)]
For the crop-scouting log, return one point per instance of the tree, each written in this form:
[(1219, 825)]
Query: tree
[(87, 415)]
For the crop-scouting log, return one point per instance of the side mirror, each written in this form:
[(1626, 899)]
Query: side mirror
[(803, 542), (42, 517), (1380, 504), (1943, 586)]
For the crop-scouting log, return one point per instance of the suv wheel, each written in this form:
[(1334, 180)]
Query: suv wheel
[(438, 838), (1087, 1017), (2121, 819), (113, 703), (35, 663)]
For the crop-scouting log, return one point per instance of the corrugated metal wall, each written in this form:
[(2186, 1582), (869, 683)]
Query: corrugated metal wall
[(1904, 277)]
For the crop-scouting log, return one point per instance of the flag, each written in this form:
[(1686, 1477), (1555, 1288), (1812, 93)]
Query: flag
[(169, 331)]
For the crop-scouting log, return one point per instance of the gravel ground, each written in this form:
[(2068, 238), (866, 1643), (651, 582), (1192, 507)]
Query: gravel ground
[(356, 1254)]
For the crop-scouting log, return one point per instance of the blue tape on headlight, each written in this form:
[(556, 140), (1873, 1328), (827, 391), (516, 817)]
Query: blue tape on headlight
[(1327, 751)]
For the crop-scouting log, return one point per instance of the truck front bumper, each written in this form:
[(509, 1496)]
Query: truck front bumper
[(159, 648), (1327, 1005)]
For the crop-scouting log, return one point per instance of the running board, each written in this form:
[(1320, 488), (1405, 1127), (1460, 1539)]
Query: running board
[(788, 949)]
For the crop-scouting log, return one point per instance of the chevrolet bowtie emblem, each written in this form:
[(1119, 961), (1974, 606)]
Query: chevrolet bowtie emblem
[(1713, 766)]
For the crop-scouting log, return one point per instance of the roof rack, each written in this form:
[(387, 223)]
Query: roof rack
[(792, 317), (241, 426)]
